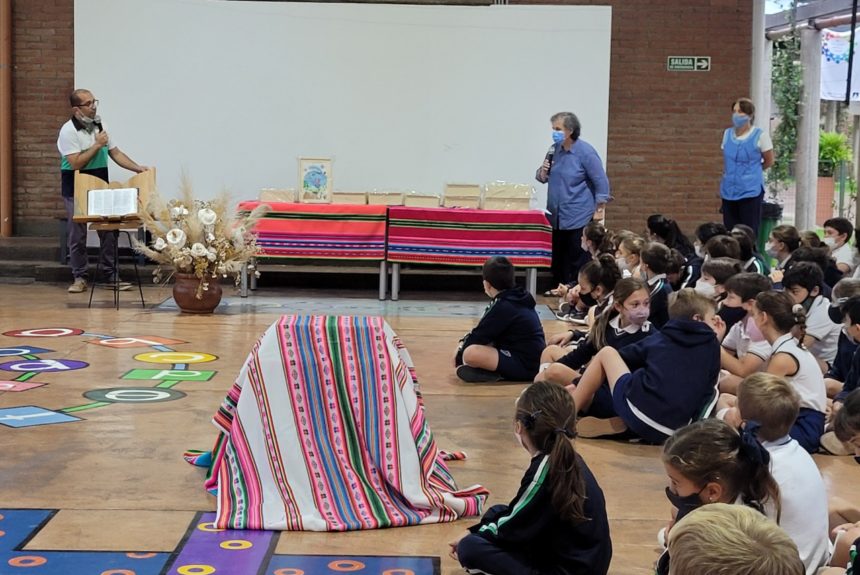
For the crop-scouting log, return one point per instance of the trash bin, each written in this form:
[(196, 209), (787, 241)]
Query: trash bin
[(771, 213)]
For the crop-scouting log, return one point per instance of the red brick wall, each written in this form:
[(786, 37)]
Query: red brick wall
[(664, 127), (43, 75)]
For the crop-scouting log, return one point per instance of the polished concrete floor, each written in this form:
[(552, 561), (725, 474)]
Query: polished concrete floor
[(117, 477)]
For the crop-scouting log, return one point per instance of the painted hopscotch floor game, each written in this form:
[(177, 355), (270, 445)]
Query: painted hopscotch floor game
[(203, 550)]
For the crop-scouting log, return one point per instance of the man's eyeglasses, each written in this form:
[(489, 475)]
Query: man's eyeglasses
[(90, 104)]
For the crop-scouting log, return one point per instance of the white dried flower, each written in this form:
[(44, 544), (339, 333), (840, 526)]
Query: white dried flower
[(176, 238), (198, 250), (207, 217), (160, 244)]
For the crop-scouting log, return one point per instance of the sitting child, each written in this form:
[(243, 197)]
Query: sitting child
[(659, 384), (557, 521), (624, 323), (508, 340), (837, 234), (710, 462), (656, 259), (628, 255), (848, 373), (769, 406), (698, 543), (751, 260), (744, 349), (803, 282), (596, 280), (777, 316)]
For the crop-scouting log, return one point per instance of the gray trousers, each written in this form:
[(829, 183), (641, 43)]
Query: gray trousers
[(78, 246)]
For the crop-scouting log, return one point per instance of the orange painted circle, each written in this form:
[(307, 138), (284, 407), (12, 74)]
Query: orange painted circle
[(346, 565), (140, 555), (398, 572), (27, 561), (288, 571), (2, 533), (118, 572)]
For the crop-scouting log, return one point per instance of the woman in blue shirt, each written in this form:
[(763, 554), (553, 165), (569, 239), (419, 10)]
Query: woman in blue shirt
[(747, 152), (578, 191)]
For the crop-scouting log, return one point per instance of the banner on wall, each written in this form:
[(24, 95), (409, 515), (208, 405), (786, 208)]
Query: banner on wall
[(834, 65)]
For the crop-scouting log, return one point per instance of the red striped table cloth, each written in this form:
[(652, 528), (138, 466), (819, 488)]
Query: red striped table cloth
[(320, 231), (467, 237)]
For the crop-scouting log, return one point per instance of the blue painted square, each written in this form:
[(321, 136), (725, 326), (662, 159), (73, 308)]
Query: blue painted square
[(30, 415), (20, 350), (353, 564)]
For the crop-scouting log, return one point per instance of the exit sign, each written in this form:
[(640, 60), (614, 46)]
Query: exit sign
[(688, 63)]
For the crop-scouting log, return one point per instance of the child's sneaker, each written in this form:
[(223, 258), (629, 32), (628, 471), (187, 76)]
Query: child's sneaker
[(590, 427), (78, 286), (476, 374)]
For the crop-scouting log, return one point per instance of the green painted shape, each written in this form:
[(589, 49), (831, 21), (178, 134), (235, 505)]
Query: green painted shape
[(26, 376), (167, 384), (86, 406), (174, 375)]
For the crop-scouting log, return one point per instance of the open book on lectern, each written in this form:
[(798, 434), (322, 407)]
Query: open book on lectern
[(97, 200)]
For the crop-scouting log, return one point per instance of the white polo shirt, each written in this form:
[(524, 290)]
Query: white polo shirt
[(823, 330)]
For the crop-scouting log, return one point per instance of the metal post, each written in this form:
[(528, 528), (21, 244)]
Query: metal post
[(395, 281), (807, 130), (383, 280), (760, 68)]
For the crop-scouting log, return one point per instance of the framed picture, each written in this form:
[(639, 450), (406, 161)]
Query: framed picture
[(315, 180)]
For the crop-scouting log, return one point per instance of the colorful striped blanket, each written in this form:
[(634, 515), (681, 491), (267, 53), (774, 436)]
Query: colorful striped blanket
[(320, 231), (324, 430), (461, 236)]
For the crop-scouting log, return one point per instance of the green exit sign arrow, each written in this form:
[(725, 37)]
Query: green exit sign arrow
[(688, 63)]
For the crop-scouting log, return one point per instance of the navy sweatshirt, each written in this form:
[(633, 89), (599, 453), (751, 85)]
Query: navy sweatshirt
[(659, 302), (529, 524), (614, 338), (673, 372), (510, 322), (842, 362), (852, 378)]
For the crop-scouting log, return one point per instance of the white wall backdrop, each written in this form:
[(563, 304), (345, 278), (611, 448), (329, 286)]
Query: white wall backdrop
[(401, 97)]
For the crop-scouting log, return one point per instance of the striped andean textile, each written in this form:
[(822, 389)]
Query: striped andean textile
[(320, 231), (324, 430), (462, 236)]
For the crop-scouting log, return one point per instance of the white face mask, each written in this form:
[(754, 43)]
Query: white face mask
[(770, 249), (622, 264), (584, 245), (705, 288), (829, 242), (700, 251)]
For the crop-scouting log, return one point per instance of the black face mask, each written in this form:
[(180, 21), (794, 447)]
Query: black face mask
[(835, 314), (684, 504), (588, 299)]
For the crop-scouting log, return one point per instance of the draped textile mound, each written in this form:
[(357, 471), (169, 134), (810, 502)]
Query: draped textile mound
[(324, 430)]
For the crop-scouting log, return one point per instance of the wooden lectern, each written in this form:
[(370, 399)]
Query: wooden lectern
[(144, 183)]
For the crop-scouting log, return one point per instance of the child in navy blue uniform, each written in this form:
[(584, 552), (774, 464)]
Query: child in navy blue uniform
[(508, 340), (661, 383), (656, 260), (626, 322), (556, 524)]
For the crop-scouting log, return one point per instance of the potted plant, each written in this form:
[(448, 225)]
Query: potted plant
[(833, 149), (197, 243)]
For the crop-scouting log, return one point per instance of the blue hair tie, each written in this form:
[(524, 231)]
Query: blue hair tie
[(751, 448)]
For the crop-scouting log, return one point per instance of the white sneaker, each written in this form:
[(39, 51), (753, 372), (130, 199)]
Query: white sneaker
[(79, 286)]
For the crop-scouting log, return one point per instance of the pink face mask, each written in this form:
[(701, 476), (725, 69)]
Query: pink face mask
[(638, 316)]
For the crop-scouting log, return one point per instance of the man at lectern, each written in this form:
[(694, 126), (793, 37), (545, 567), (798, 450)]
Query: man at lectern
[(85, 145)]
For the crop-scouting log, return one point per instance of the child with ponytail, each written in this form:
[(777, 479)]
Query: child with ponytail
[(783, 324), (710, 462), (556, 523), (589, 298), (625, 322)]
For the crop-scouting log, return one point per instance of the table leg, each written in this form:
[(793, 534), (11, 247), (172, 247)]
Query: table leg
[(383, 280), (395, 281), (243, 281), (531, 281)]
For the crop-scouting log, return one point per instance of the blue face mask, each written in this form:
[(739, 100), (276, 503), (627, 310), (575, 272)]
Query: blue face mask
[(557, 137), (740, 120)]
